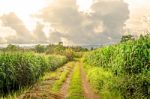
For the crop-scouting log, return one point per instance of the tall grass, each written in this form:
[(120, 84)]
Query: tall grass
[(128, 66), (20, 69)]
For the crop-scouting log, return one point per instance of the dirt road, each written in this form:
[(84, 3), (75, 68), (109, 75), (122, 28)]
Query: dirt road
[(88, 91), (42, 90)]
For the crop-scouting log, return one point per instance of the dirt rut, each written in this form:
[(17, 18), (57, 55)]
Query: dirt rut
[(65, 87), (41, 91), (88, 91)]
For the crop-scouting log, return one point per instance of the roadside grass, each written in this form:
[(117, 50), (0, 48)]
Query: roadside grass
[(65, 72), (15, 94), (103, 82), (75, 89), (49, 75), (53, 75)]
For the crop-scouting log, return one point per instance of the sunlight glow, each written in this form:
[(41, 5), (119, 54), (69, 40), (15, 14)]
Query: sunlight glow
[(24, 9), (84, 5)]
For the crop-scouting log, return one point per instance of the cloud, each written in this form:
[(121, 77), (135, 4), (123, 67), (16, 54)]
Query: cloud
[(55, 37), (2, 40), (104, 24), (23, 35), (139, 20), (113, 15), (39, 34)]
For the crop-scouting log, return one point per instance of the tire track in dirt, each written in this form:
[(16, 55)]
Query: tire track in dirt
[(88, 91), (42, 89), (64, 90)]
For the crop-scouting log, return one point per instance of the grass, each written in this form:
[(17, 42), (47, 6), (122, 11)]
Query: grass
[(121, 70), (65, 72), (56, 87), (75, 89), (103, 82), (15, 94), (18, 69), (53, 75)]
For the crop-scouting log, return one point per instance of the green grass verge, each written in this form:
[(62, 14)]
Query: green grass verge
[(103, 82), (57, 85), (64, 73), (75, 89)]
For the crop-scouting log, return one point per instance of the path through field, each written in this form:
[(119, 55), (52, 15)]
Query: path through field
[(88, 91), (64, 89), (42, 90)]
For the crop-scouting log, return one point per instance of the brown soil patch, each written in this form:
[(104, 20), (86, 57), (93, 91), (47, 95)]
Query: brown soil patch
[(64, 90), (41, 91), (88, 91)]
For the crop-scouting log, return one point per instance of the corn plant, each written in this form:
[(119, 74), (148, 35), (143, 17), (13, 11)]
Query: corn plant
[(20, 69), (129, 62)]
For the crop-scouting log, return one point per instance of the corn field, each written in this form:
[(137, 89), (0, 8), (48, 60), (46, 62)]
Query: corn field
[(121, 71), (20, 69)]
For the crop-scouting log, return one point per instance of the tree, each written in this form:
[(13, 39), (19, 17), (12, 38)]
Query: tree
[(92, 48), (39, 48), (11, 47), (126, 38), (60, 43)]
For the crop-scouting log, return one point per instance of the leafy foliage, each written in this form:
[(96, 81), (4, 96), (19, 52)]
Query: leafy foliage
[(40, 48), (22, 69), (11, 47), (129, 63), (126, 38)]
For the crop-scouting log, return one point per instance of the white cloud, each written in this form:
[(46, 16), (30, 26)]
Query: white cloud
[(104, 24), (139, 16), (79, 28)]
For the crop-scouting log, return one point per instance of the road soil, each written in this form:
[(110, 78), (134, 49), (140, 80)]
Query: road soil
[(65, 87), (88, 91), (42, 90)]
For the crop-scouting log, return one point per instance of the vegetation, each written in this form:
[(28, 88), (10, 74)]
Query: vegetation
[(69, 52), (75, 90), (40, 48), (11, 47), (127, 38), (20, 69), (65, 72), (59, 49), (121, 70)]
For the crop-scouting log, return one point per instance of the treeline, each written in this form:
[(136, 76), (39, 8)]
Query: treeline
[(69, 51), (121, 71), (59, 49)]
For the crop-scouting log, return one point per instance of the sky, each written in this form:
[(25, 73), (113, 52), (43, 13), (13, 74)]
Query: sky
[(73, 22)]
